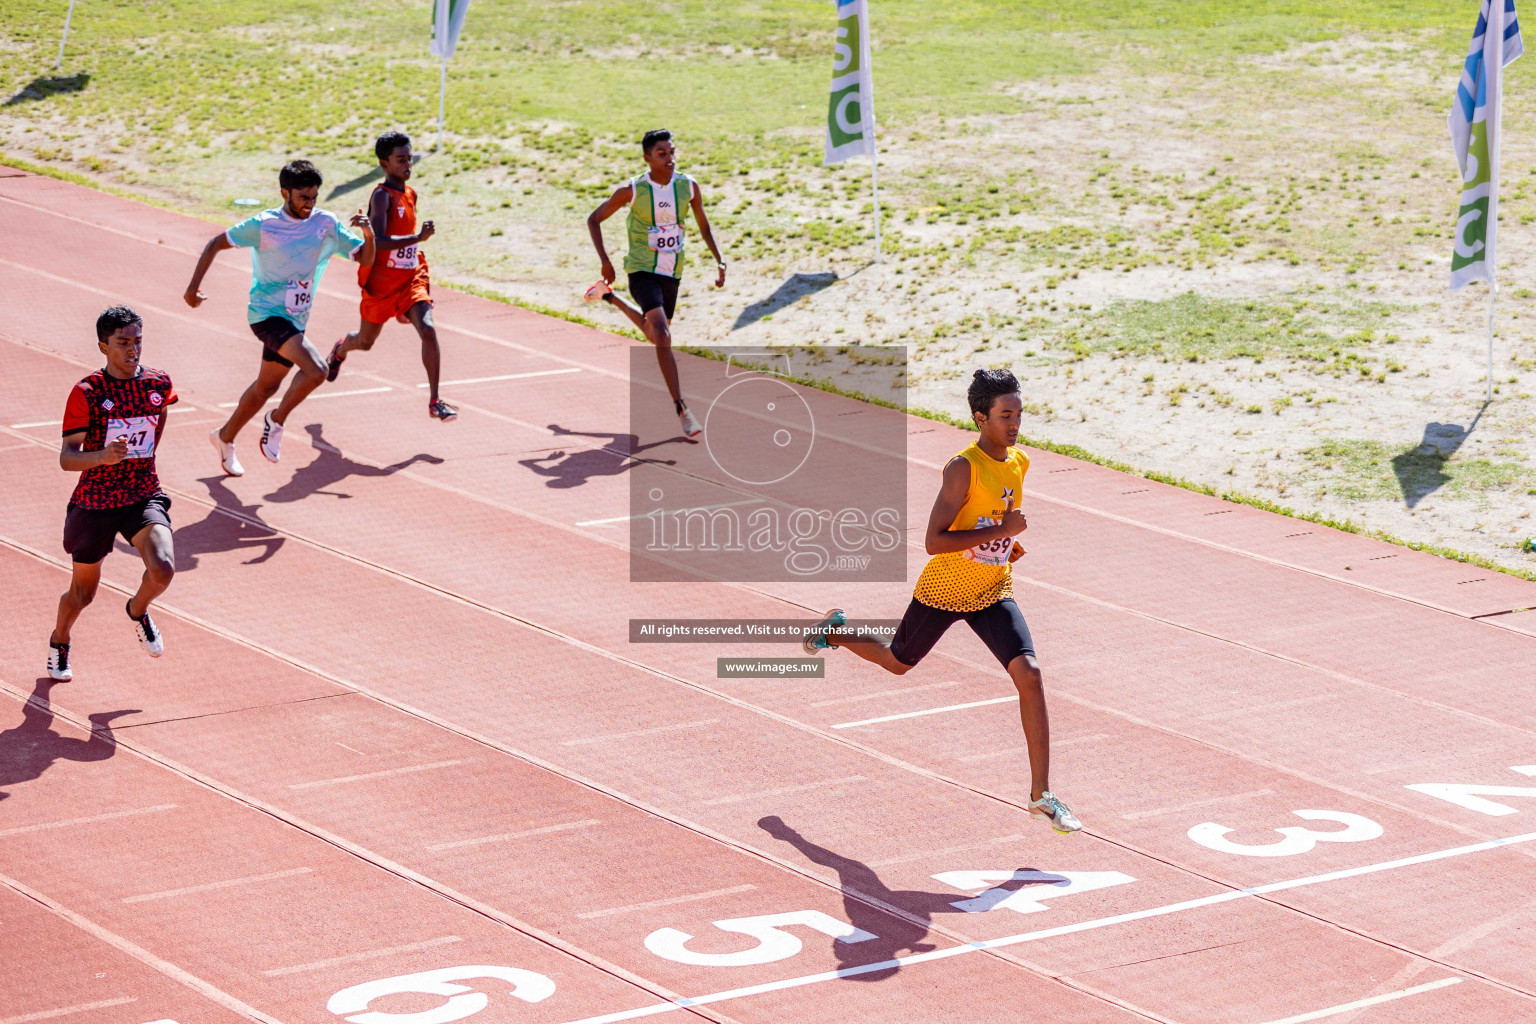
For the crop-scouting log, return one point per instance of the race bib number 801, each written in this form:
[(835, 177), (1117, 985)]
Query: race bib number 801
[(666, 238)]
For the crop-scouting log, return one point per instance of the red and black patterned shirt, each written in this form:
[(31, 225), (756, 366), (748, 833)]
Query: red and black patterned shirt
[(106, 408)]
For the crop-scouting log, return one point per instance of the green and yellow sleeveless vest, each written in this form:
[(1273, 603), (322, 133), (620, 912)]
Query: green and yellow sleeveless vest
[(656, 225)]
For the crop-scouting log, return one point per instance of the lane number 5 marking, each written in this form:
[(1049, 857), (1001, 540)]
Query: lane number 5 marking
[(773, 943), (1298, 838)]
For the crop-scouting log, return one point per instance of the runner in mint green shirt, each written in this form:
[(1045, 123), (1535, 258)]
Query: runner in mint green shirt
[(659, 201), (290, 247)]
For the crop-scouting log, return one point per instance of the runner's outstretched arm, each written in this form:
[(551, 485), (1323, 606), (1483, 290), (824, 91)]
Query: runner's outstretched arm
[(709, 237), (378, 217), (217, 244), (622, 197)]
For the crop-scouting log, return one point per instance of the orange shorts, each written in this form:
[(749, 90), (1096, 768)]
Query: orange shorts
[(379, 307)]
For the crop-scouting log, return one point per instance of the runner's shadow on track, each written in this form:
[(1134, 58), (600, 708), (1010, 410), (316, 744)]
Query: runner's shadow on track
[(894, 936), (220, 531), (332, 467), (32, 747), (797, 287), (572, 469)]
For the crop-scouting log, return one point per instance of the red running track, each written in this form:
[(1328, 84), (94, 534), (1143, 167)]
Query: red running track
[(400, 764)]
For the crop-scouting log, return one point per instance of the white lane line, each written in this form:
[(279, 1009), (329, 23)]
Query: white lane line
[(695, 897), (1360, 1004), (1055, 745), (139, 953), (503, 837), (210, 886), (352, 958), (907, 858), (883, 693), (638, 732), (66, 1010), (781, 791), (1048, 933), (1135, 815), (930, 711), (505, 376), (315, 395), (671, 511), (376, 775), (65, 823)]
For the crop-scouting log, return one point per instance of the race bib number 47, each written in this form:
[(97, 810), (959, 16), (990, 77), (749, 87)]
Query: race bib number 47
[(403, 258), (299, 297), (666, 238), (993, 552), (140, 431)]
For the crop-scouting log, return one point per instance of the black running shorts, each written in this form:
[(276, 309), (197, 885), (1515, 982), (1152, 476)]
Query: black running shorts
[(1000, 625), (653, 290), (274, 332), (89, 532)]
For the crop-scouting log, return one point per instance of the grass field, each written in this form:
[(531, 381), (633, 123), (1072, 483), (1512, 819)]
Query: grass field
[(1213, 240)]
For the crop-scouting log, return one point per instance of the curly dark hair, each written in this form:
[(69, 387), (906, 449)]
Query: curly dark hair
[(987, 385), (114, 318)]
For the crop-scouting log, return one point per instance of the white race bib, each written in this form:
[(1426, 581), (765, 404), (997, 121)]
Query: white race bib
[(993, 552), (299, 297), (140, 431), (665, 238), (403, 258)]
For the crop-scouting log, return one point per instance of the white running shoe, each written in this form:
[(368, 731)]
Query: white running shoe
[(271, 437), (816, 640), (227, 457), (148, 633), (1058, 814), (691, 425), (58, 663)]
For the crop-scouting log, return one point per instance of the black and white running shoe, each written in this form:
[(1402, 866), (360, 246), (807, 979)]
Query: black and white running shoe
[(58, 663), (148, 633)]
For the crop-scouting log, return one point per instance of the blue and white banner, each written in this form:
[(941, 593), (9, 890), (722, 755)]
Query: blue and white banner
[(1474, 125)]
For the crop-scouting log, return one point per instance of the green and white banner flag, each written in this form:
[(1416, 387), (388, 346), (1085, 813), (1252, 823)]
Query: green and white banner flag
[(1474, 125), (851, 112), (447, 22)]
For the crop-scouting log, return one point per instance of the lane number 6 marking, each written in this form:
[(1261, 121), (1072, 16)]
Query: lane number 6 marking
[(529, 986), (1298, 838)]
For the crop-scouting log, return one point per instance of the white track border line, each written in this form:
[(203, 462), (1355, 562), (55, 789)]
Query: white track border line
[(1048, 933), (1360, 1004), (604, 371)]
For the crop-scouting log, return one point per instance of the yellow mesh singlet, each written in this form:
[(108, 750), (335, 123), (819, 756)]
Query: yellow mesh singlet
[(954, 582)]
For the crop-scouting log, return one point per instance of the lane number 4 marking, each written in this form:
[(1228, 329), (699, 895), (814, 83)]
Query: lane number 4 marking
[(529, 986), (773, 942), (1298, 838), (1471, 797), (1025, 899)]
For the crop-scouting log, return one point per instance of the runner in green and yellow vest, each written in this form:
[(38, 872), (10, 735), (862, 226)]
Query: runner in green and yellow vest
[(970, 535), (657, 230)]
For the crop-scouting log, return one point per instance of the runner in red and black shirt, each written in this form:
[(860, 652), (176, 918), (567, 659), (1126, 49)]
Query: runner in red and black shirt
[(112, 426)]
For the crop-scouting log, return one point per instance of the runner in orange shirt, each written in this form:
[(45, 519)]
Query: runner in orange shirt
[(397, 285)]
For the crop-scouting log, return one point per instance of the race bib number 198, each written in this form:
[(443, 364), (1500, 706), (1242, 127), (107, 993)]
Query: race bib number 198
[(993, 552), (299, 297), (140, 431)]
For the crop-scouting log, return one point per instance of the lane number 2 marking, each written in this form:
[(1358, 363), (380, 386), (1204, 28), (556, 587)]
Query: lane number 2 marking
[(1038, 885), (529, 986), (1298, 838), (773, 942)]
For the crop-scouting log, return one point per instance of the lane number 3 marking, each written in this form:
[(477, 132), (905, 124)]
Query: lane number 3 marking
[(1298, 838)]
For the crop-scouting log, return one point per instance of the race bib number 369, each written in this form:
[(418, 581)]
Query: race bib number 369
[(993, 552), (666, 238), (299, 297), (140, 431)]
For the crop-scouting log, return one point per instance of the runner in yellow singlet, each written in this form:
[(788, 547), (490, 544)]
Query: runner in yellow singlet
[(970, 535)]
